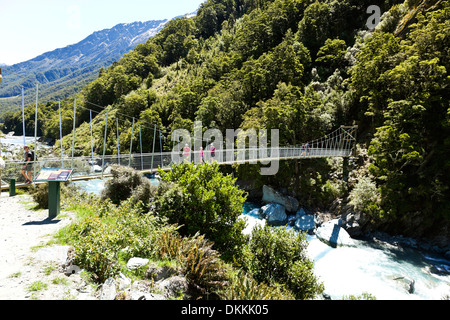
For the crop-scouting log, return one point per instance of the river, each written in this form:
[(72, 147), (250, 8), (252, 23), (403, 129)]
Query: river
[(383, 270)]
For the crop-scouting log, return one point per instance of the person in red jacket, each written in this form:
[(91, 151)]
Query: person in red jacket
[(186, 153)]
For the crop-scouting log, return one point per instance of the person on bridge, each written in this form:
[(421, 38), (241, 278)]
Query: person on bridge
[(28, 165), (186, 153), (212, 149), (303, 150)]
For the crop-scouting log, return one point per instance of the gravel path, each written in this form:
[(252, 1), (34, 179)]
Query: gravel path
[(29, 267)]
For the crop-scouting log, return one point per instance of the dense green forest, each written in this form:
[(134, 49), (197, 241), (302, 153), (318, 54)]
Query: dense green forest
[(304, 67)]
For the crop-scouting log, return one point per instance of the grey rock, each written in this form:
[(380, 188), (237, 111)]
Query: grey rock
[(135, 263), (108, 290), (305, 223), (159, 273), (274, 213), (406, 283), (123, 282), (333, 234), (270, 195), (173, 286)]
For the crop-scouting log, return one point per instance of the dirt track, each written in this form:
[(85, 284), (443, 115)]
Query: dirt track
[(25, 257)]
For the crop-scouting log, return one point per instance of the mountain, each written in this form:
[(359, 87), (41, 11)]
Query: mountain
[(65, 71)]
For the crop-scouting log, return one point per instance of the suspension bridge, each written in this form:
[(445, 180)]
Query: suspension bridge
[(339, 143)]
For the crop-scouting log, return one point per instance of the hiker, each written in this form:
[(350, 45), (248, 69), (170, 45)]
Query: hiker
[(28, 165), (212, 149), (307, 148), (186, 152), (302, 150)]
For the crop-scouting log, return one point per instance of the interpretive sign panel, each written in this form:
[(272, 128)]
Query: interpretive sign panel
[(53, 174)]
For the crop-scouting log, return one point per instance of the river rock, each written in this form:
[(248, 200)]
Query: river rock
[(405, 283), (270, 195), (173, 286), (333, 234), (275, 214), (353, 222), (256, 212), (300, 213), (96, 168), (135, 263), (108, 291), (305, 223)]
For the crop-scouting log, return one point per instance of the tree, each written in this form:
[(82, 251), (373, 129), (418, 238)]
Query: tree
[(404, 83), (331, 57)]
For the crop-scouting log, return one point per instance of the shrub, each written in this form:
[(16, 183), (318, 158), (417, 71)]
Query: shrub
[(202, 199), (244, 287), (364, 195), (98, 240), (39, 193), (96, 248), (277, 255), (203, 268), (128, 183)]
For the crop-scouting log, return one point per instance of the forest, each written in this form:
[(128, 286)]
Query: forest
[(304, 67)]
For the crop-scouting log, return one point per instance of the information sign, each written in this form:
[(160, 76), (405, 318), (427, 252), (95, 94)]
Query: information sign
[(53, 174)]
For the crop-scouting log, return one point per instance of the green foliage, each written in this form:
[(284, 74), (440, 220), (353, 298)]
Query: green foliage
[(99, 239), (128, 183), (202, 199), (400, 85), (277, 255), (40, 193), (303, 67), (364, 195), (243, 286), (205, 271)]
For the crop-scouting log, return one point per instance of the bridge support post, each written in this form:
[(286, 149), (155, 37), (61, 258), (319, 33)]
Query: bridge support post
[(54, 191), (12, 187)]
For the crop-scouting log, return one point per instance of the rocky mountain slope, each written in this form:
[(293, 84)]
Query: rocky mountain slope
[(64, 71)]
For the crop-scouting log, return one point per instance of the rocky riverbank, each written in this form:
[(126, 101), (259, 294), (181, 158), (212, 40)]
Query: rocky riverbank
[(336, 227)]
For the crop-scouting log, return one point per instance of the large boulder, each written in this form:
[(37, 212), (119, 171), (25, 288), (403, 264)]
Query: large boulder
[(275, 214), (305, 223), (333, 234), (173, 287), (136, 263), (108, 290), (270, 195)]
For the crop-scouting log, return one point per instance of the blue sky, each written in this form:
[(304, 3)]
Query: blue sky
[(29, 28)]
